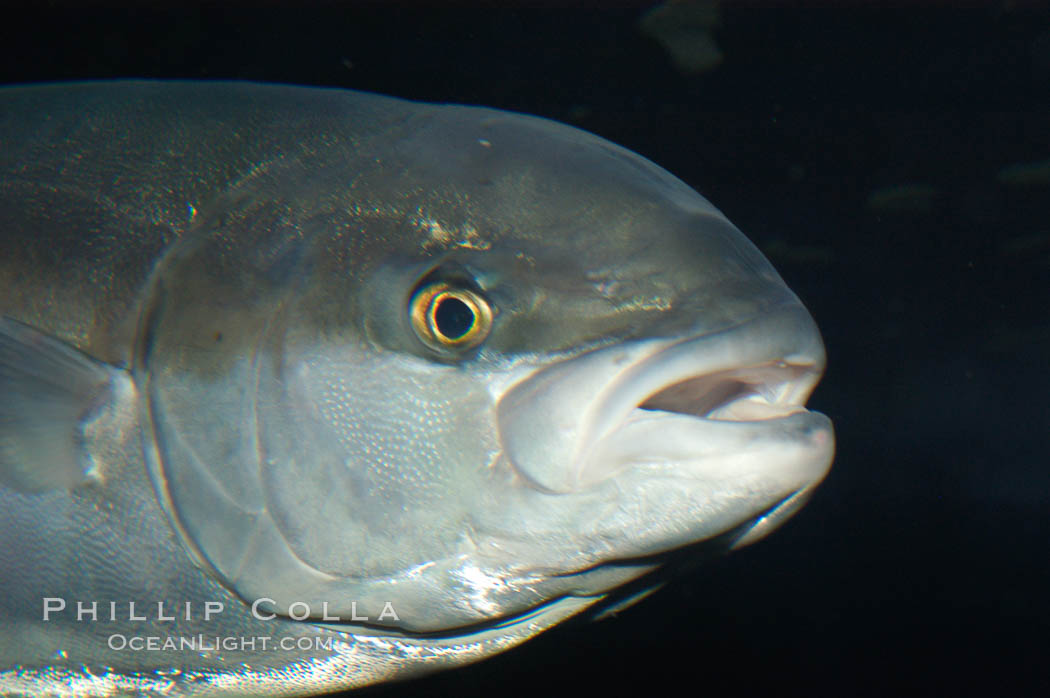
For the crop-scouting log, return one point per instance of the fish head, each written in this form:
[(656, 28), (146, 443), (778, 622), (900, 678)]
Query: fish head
[(486, 366)]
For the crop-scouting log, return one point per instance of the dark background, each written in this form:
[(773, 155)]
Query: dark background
[(866, 150)]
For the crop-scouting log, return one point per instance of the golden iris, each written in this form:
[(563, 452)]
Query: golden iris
[(447, 317)]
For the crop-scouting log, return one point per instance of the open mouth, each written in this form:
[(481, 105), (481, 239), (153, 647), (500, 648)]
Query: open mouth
[(756, 393), (668, 409), (718, 379), (668, 403)]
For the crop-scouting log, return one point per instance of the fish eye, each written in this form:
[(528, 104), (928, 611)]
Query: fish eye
[(447, 316)]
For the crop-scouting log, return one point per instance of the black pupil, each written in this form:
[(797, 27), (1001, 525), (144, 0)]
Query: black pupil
[(453, 318)]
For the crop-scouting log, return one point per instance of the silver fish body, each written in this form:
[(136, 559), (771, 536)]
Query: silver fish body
[(306, 389)]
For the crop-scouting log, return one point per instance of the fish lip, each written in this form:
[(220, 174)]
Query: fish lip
[(702, 377), (758, 373), (771, 390), (564, 426)]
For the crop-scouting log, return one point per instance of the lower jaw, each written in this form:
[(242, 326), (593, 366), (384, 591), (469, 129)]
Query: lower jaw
[(795, 448)]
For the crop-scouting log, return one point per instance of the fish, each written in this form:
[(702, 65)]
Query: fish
[(304, 389)]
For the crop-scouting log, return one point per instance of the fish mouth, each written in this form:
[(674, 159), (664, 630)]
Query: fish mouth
[(689, 407), (754, 393), (744, 422), (708, 396)]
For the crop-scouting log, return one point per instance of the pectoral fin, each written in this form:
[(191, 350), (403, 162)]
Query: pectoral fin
[(47, 390)]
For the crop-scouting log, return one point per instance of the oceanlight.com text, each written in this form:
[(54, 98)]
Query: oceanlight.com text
[(214, 643)]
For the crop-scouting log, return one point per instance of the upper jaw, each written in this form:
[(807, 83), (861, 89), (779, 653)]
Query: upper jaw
[(576, 423)]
